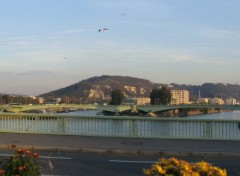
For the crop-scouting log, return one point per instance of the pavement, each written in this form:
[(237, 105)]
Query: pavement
[(121, 145)]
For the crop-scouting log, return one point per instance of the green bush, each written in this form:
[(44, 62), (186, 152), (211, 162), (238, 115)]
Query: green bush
[(174, 167), (21, 163)]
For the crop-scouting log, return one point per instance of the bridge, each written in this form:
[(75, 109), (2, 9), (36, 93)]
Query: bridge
[(26, 108), (115, 108), (120, 126)]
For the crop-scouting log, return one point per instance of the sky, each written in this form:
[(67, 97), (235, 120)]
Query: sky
[(50, 44)]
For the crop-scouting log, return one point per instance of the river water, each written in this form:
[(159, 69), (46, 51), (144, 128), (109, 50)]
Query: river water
[(223, 115), (233, 115)]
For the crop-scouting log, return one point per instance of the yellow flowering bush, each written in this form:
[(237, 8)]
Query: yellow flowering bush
[(21, 163), (174, 167)]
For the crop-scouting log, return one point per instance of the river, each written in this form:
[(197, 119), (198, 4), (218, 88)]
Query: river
[(235, 115)]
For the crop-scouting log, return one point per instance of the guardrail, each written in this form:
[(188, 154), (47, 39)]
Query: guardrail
[(139, 127)]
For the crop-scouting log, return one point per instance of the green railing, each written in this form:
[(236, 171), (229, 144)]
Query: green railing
[(139, 127), (115, 108)]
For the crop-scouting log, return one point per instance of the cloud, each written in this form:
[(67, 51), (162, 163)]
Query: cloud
[(217, 33), (37, 73)]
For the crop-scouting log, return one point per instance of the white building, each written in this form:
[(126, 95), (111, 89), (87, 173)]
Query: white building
[(231, 101), (179, 97), (203, 100), (216, 101)]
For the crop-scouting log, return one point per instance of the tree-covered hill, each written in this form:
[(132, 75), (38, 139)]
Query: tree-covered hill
[(99, 89)]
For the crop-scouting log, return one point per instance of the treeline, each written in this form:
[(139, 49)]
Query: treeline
[(24, 100), (8, 99), (158, 96)]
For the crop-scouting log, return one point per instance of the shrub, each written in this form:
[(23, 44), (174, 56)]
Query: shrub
[(174, 167), (21, 163)]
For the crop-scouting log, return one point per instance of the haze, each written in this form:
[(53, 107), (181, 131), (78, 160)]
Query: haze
[(50, 44)]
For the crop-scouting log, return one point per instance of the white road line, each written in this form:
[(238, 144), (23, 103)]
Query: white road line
[(126, 161), (45, 157), (53, 175), (55, 157), (147, 162), (5, 154)]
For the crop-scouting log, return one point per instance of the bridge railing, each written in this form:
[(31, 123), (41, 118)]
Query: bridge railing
[(138, 127)]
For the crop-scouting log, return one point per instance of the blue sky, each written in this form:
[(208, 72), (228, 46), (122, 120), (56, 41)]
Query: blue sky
[(50, 44)]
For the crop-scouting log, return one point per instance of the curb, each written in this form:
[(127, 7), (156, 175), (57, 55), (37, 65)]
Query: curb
[(111, 151)]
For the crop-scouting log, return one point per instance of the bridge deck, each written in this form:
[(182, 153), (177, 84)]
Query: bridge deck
[(121, 108)]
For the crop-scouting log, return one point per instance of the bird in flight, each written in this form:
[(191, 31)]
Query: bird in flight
[(102, 30)]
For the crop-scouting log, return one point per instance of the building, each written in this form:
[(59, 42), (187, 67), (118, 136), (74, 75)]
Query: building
[(58, 100), (218, 101), (179, 97), (231, 101), (136, 101), (40, 100), (203, 100)]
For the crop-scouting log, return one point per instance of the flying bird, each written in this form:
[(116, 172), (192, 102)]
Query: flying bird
[(102, 30)]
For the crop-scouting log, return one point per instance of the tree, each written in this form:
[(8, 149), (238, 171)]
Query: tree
[(6, 99), (154, 96), (164, 95), (160, 96), (117, 97)]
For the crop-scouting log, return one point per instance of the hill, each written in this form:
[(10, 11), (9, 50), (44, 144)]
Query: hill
[(98, 89)]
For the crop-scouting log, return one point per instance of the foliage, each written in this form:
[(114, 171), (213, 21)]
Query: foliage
[(160, 96), (22, 163), (7, 99), (117, 97), (154, 96), (174, 167)]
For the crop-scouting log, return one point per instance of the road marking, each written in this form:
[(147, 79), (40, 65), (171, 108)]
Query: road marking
[(127, 161), (53, 175), (45, 157), (146, 162), (55, 157), (5, 154)]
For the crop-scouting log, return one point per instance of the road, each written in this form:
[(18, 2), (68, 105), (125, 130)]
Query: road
[(75, 164), (103, 156), (115, 144)]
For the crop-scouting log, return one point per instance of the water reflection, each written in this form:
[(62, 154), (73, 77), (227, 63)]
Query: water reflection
[(232, 115), (85, 112), (235, 115)]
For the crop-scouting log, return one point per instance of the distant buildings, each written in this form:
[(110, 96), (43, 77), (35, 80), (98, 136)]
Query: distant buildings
[(136, 101), (231, 101), (179, 97), (220, 101), (41, 100), (216, 101), (203, 100)]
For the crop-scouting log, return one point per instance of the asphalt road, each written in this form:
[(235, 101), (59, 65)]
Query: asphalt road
[(75, 164), (114, 144), (105, 156)]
